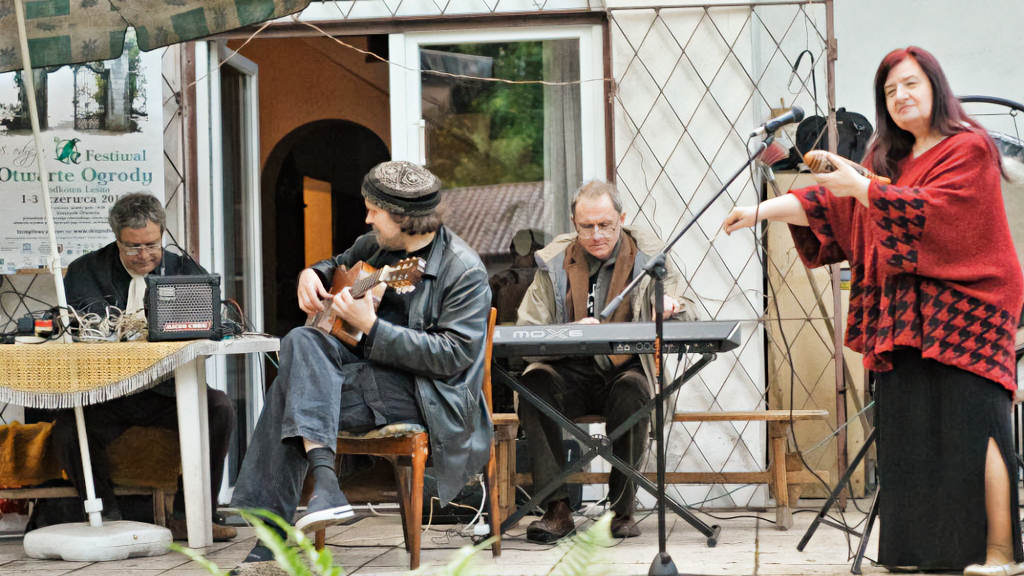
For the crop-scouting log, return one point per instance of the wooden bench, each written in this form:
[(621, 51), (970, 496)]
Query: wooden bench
[(138, 460), (158, 495), (783, 475)]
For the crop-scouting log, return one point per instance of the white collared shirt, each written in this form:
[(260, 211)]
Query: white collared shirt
[(136, 292)]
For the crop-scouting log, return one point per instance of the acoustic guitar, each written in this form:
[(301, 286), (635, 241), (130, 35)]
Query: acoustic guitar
[(363, 278)]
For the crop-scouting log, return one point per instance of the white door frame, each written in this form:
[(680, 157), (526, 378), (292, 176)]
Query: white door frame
[(210, 56)]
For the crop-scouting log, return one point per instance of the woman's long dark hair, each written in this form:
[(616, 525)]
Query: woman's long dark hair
[(891, 144)]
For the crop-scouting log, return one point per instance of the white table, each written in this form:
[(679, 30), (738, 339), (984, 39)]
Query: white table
[(28, 374), (194, 431)]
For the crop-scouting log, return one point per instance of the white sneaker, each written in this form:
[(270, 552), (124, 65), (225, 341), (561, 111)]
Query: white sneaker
[(324, 511)]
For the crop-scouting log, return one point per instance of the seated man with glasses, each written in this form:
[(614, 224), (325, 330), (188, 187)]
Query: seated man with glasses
[(115, 276), (579, 274)]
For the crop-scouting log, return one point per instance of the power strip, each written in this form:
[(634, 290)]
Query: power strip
[(26, 325)]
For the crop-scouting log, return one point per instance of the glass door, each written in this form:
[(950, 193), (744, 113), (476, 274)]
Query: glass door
[(512, 122)]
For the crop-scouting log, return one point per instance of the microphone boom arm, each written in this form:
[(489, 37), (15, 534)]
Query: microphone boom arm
[(662, 254)]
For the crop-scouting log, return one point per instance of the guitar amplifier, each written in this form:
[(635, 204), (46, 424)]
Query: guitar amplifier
[(183, 307)]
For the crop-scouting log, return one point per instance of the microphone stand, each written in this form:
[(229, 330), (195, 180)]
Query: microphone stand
[(655, 268)]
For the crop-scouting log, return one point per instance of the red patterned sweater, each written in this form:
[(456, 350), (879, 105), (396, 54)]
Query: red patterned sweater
[(932, 262)]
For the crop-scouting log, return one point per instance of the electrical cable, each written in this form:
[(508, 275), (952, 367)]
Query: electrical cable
[(483, 501), (23, 297), (374, 512), (181, 251), (762, 255)]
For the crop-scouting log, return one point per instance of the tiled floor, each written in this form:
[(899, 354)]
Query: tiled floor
[(373, 546)]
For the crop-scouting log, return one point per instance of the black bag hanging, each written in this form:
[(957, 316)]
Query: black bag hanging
[(854, 133)]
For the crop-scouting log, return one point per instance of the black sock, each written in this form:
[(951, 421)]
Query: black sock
[(322, 461)]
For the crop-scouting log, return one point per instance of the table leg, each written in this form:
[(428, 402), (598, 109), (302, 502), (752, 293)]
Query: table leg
[(777, 431), (194, 435)]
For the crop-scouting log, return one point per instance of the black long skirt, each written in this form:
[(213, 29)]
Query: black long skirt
[(934, 422)]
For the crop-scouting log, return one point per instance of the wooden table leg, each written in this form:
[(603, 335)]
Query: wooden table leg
[(783, 514)]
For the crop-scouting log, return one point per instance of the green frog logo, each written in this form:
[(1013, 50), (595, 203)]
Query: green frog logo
[(67, 150)]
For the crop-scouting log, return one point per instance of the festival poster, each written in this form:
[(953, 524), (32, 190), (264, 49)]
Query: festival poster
[(102, 136)]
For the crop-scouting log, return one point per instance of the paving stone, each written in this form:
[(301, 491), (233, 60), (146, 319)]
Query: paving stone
[(375, 547)]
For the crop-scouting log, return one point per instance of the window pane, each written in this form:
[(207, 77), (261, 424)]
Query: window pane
[(509, 152)]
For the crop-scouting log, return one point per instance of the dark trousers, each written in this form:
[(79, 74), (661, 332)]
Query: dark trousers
[(578, 387), (934, 423), (105, 422), (321, 388)]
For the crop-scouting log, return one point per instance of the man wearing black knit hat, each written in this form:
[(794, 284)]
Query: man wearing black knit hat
[(419, 361)]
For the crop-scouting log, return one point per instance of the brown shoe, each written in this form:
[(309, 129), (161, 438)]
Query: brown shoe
[(556, 524), (221, 533), (624, 527)]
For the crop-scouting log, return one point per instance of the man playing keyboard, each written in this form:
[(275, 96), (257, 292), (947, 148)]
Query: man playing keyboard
[(579, 273)]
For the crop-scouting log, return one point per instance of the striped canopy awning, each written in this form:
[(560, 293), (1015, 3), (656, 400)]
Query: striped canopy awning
[(76, 31)]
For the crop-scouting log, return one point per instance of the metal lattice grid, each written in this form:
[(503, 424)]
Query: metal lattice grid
[(392, 9), (175, 136), (691, 83)]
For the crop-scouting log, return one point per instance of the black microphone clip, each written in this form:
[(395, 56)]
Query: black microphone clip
[(795, 114)]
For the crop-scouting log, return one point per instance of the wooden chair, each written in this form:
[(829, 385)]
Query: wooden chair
[(408, 454)]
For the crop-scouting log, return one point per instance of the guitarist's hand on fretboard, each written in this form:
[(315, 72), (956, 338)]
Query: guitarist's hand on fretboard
[(360, 313), (349, 313), (311, 292)]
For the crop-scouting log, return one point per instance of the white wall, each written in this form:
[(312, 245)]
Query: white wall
[(979, 44)]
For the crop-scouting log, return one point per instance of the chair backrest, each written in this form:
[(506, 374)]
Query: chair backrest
[(491, 321)]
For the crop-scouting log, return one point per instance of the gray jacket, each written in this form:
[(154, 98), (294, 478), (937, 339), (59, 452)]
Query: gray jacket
[(444, 348)]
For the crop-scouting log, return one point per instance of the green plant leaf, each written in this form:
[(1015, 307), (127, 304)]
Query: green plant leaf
[(287, 557), (303, 558), (198, 558), (585, 549)]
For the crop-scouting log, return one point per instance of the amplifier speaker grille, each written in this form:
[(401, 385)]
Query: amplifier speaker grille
[(183, 307)]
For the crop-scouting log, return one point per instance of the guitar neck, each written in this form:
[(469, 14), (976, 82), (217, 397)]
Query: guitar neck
[(365, 284)]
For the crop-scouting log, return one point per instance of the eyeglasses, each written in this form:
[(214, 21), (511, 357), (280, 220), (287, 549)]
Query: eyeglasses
[(135, 249), (606, 228)]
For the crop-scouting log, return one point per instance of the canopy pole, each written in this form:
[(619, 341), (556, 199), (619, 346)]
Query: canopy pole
[(93, 505), (44, 176)]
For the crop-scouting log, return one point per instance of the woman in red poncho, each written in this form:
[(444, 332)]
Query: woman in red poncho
[(936, 295)]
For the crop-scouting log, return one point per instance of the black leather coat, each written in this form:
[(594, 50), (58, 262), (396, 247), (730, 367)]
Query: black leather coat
[(444, 347)]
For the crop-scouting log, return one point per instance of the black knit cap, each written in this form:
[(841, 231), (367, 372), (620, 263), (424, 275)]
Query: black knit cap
[(402, 188)]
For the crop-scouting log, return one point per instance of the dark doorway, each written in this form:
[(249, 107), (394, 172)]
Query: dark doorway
[(338, 152)]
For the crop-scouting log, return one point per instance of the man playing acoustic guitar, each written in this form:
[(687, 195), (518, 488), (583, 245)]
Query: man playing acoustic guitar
[(417, 358)]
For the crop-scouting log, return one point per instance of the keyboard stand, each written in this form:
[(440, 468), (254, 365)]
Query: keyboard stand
[(602, 446)]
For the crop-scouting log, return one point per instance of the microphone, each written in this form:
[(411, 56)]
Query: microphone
[(795, 114)]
